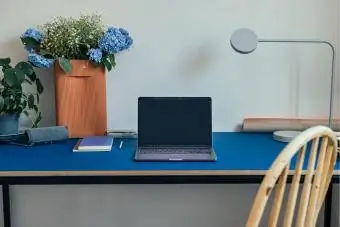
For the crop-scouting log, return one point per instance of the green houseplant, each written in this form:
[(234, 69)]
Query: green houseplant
[(14, 99)]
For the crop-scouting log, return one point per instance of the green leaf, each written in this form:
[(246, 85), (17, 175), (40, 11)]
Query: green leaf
[(112, 60), (83, 50), (19, 109), (5, 67), (28, 41), (24, 104), (35, 107), (30, 101), (14, 77), (17, 99), (5, 61), (38, 98), (2, 103), (25, 67), (107, 64), (40, 87), (20, 76), (32, 77), (65, 64), (26, 113), (7, 103), (28, 81), (45, 54), (42, 52), (37, 120)]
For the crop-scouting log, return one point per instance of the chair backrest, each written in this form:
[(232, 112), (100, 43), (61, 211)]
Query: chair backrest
[(318, 147)]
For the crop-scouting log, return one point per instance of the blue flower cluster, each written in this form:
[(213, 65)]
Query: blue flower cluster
[(34, 58), (95, 55), (115, 40), (40, 61), (33, 33)]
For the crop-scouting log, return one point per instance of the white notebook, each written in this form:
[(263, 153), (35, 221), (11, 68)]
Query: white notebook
[(94, 143)]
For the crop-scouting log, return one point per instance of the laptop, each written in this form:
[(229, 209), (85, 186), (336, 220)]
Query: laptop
[(174, 129)]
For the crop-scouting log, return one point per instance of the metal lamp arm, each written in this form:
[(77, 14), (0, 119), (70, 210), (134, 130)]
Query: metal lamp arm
[(333, 65)]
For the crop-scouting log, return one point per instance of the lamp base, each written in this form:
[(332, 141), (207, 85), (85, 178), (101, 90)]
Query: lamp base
[(285, 136)]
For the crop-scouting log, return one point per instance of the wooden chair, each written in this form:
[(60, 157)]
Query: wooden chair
[(321, 144)]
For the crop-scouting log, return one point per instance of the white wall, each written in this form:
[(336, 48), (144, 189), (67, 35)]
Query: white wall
[(181, 48)]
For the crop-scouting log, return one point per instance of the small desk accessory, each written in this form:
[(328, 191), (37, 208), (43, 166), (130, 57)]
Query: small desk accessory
[(123, 134), (245, 41), (270, 124), (94, 143), (285, 136), (36, 136)]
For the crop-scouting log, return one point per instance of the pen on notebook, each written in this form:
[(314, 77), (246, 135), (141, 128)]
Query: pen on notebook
[(121, 144)]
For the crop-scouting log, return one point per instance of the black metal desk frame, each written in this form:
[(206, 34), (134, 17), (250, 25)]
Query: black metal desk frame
[(6, 182)]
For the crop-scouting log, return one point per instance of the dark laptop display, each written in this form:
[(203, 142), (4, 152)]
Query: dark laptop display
[(175, 123)]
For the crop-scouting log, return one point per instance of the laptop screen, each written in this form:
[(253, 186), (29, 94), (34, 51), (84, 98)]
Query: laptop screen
[(174, 121)]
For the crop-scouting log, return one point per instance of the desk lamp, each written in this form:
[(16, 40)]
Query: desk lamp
[(245, 41)]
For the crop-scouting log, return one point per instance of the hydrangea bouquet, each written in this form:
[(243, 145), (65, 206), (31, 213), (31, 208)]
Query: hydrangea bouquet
[(67, 38)]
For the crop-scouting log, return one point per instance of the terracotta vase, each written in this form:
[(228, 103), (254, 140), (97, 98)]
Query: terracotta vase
[(81, 99)]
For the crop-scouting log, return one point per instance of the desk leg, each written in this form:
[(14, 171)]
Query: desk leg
[(328, 206), (6, 205)]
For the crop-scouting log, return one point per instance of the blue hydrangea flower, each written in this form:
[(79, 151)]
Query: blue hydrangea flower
[(95, 55), (40, 61), (115, 40), (128, 41), (124, 32), (112, 30), (33, 33)]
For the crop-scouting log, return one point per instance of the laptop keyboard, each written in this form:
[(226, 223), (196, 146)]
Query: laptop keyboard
[(175, 150)]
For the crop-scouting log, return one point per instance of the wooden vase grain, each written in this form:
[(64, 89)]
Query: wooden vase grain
[(81, 99)]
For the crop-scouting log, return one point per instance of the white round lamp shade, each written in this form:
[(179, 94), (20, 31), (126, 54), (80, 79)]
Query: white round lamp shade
[(244, 41)]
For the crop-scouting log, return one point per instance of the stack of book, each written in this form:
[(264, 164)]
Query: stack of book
[(94, 143)]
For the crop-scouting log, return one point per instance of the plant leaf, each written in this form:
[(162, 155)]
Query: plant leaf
[(25, 67), (6, 103), (2, 103), (35, 107), (5, 67), (13, 77), (37, 120), (40, 87), (107, 64), (30, 101), (24, 104), (20, 76), (28, 41), (83, 50), (65, 64), (5, 61), (112, 60), (26, 113), (28, 81), (45, 54), (32, 76), (38, 98)]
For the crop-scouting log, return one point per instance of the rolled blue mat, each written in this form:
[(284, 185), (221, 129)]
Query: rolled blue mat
[(46, 134)]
